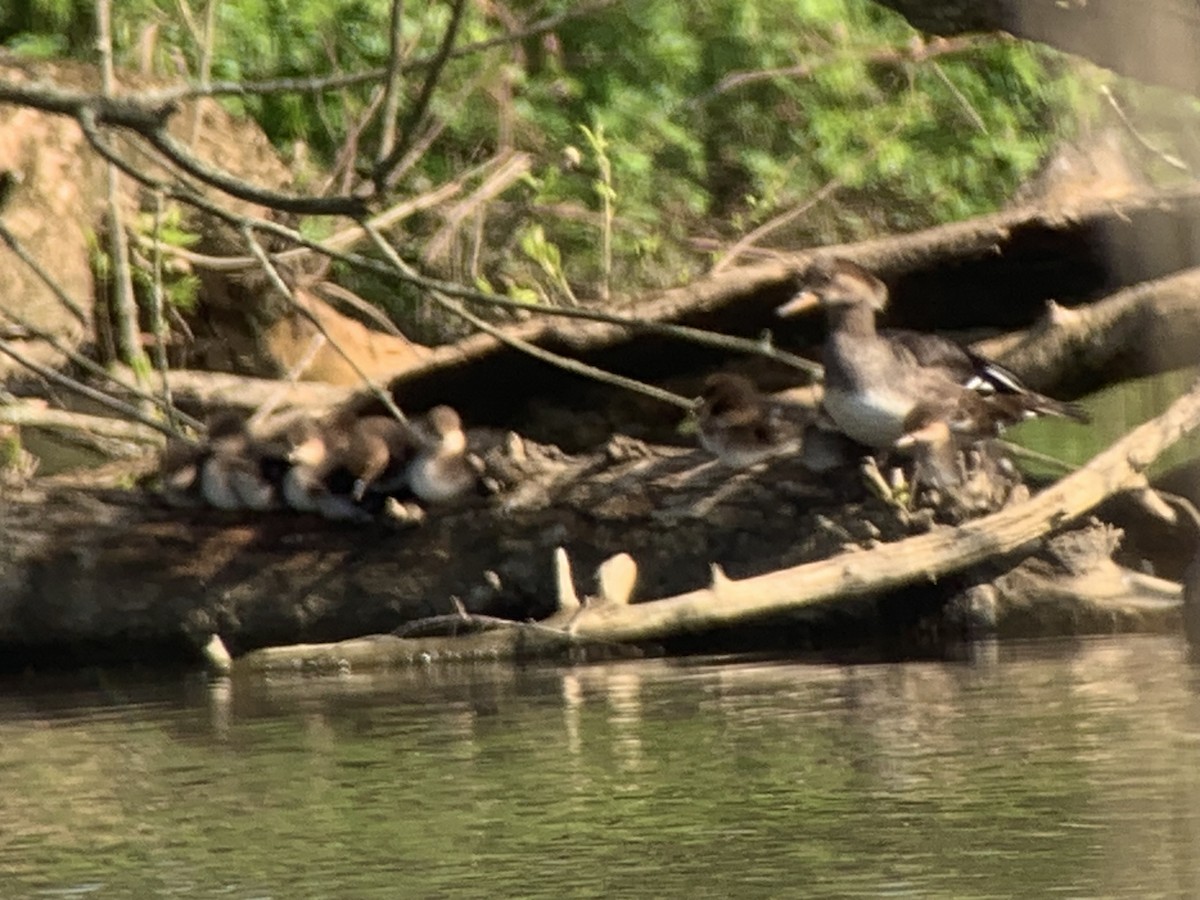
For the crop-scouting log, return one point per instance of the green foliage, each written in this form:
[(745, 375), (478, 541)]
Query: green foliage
[(180, 286), (676, 148)]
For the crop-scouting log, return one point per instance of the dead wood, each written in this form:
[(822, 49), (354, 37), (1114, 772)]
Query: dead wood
[(996, 271), (925, 557), (1147, 328), (1152, 40), (1110, 595), (200, 391)]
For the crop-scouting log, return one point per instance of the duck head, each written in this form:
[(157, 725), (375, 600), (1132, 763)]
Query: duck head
[(227, 433), (725, 393), (442, 432), (307, 446), (833, 281)]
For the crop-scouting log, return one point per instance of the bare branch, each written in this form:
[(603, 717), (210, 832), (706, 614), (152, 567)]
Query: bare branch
[(45, 277), (548, 356), (280, 285), (383, 174), (320, 84), (29, 416), (125, 307), (158, 325), (1169, 158), (134, 112), (91, 367), (393, 84), (180, 156), (915, 52), (824, 193), (130, 412)]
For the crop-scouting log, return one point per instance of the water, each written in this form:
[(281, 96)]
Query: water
[(1036, 770)]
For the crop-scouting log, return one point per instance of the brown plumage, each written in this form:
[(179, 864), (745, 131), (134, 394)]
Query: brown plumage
[(740, 426)]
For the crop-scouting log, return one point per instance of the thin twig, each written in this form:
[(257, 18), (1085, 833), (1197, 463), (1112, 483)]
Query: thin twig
[(44, 276), (871, 56), (825, 191), (514, 167), (206, 50), (1170, 159), (125, 303), (341, 173), (157, 325), (91, 367), (971, 111), (393, 84), (383, 174), (280, 285), (345, 238), (747, 241), (91, 393), (316, 342), (762, 347), (320, 84), (555, 359)]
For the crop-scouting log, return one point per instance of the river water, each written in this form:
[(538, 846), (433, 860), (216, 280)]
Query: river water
[(1029, 770)]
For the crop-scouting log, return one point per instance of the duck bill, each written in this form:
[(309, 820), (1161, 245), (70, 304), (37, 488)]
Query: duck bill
[(803, 302), (935, 434)]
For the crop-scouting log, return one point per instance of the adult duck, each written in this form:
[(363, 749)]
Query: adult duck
[(882, 385)]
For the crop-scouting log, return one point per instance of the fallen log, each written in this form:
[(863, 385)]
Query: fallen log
[(611, 618), (1148, 328), (995, 272)]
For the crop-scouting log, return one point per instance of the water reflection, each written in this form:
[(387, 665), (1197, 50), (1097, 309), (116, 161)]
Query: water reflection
[(1036, 769)]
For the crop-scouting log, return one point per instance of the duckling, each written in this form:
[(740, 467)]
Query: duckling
[(179, 473), (377, 454), (441, 470), (738, 425), (875, 379), (316, 464), (234, 471)]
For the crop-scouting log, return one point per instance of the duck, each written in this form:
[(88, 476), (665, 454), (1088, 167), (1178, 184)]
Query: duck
[(377, 453), (742, 427), (235, 471), (317, 480), (738, 425), (179, 473), (441, 469), (883, 384)]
